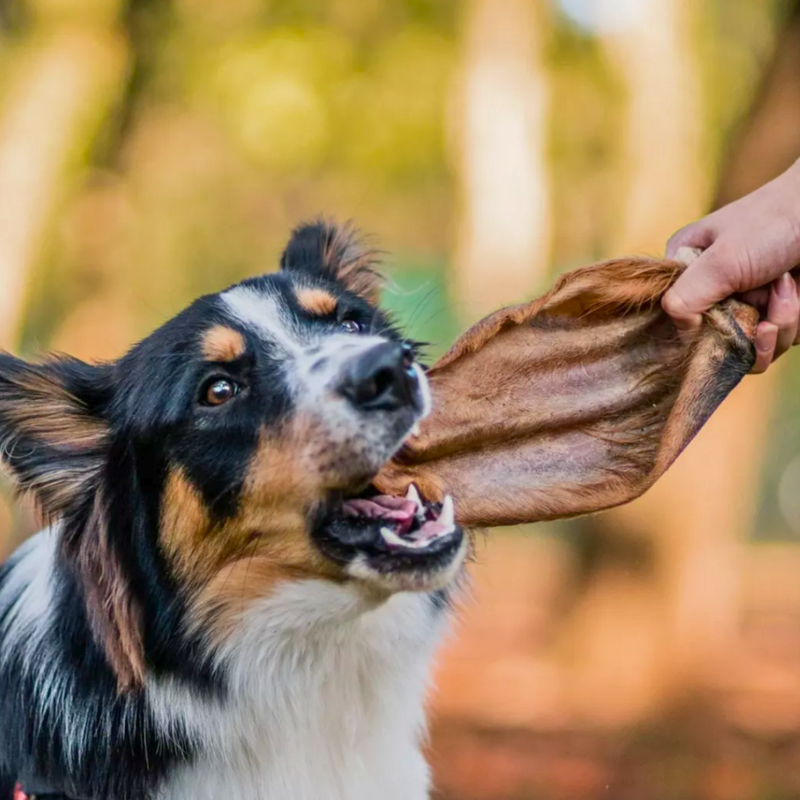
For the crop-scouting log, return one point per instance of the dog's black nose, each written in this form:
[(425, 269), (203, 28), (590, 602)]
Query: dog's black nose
[(382, 379)]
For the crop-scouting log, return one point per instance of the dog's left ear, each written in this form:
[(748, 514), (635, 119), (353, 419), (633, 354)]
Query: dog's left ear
[(52, 432), (55, 439), (336, 252), (575, 402)]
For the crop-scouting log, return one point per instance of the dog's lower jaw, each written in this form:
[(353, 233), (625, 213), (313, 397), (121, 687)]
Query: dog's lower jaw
[(326, 699)]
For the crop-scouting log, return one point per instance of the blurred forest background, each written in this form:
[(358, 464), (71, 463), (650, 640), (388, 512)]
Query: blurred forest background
[(152, 150)]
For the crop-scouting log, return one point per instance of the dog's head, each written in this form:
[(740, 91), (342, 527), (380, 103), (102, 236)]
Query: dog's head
[(230, 451)]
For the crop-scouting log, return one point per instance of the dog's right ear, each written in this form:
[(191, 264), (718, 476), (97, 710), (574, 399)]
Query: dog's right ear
[(53, 437), (336, 252)]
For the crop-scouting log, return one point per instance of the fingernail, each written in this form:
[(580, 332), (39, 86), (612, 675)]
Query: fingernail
[(766, 336), (786, 287)]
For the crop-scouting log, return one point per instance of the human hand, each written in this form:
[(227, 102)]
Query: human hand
[(748, 248)]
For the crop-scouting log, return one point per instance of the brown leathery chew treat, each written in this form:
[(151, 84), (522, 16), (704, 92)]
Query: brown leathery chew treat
[(575, 402)]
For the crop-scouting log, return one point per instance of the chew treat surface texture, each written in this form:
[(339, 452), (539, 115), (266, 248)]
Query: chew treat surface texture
[(573, 403)]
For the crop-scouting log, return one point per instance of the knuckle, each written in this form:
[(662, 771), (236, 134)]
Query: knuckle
[(675, 305)]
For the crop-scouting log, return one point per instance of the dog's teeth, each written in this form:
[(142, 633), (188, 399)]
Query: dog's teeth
[(413, 495), (448, 515), (390, 537), (415, 429)]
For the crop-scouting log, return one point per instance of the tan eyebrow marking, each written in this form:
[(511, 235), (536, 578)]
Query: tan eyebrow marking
[(317, 301), (222, 344)]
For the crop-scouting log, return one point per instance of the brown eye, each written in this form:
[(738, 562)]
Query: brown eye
[(351, 326), (220, 391)]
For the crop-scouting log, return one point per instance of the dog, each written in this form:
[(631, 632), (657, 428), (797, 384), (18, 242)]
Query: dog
[(222, 606)]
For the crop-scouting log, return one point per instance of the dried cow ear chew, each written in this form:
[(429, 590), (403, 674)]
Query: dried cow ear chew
[(576, 402)]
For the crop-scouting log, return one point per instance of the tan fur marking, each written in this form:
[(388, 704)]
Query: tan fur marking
[(227, 566), (185, 529), (223, 344), (42, 410), (55, 416), (114, 617), (317, 302)]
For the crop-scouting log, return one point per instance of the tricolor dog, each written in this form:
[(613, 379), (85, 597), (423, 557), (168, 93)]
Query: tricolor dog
[(223, 607)]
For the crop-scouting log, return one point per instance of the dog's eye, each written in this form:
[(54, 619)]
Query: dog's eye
[(220, 391), (351, 326)]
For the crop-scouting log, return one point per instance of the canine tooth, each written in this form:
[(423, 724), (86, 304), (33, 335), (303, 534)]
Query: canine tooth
[(413, 495), (415, 429), (448, 515)]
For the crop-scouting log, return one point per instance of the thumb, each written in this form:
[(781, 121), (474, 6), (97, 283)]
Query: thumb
[(703, 284), (698, 235)]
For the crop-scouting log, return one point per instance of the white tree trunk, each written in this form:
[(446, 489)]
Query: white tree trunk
[(665, 164), (698, 516), (501, 130), (59, 91)]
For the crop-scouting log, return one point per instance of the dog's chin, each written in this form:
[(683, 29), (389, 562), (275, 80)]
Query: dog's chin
[(393, 544)]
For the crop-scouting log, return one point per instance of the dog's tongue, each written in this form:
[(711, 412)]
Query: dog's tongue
[(396, 509), (430, 530)]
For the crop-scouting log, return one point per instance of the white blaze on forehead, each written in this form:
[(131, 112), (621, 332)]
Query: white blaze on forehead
[(266, 315), (315, 360)]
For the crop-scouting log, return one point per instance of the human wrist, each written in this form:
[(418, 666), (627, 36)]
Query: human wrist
[(793, 176), (791, 198)]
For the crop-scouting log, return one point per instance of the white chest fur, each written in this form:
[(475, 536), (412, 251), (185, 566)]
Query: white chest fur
[(326, 699)]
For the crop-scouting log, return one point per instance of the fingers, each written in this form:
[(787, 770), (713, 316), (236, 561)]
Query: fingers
[(784, 312), (766, 340), (779, 331), (758, 298), (705, 282)]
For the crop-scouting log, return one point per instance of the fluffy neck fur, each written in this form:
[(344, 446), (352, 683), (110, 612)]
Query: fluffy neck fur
[(325, 699), (321, 695)]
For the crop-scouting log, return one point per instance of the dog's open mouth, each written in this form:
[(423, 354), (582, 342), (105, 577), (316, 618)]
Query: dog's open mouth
[(406, 523), (389, 535)]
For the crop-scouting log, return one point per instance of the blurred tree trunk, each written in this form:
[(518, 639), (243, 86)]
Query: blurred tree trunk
[(63, 83), (699, 516), (768, 142), (662, 154), (704, 565), (501, 130)]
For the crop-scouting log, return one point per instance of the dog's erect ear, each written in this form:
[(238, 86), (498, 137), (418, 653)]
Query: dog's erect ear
[(575, 402), (336, 252), (52, 434)]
